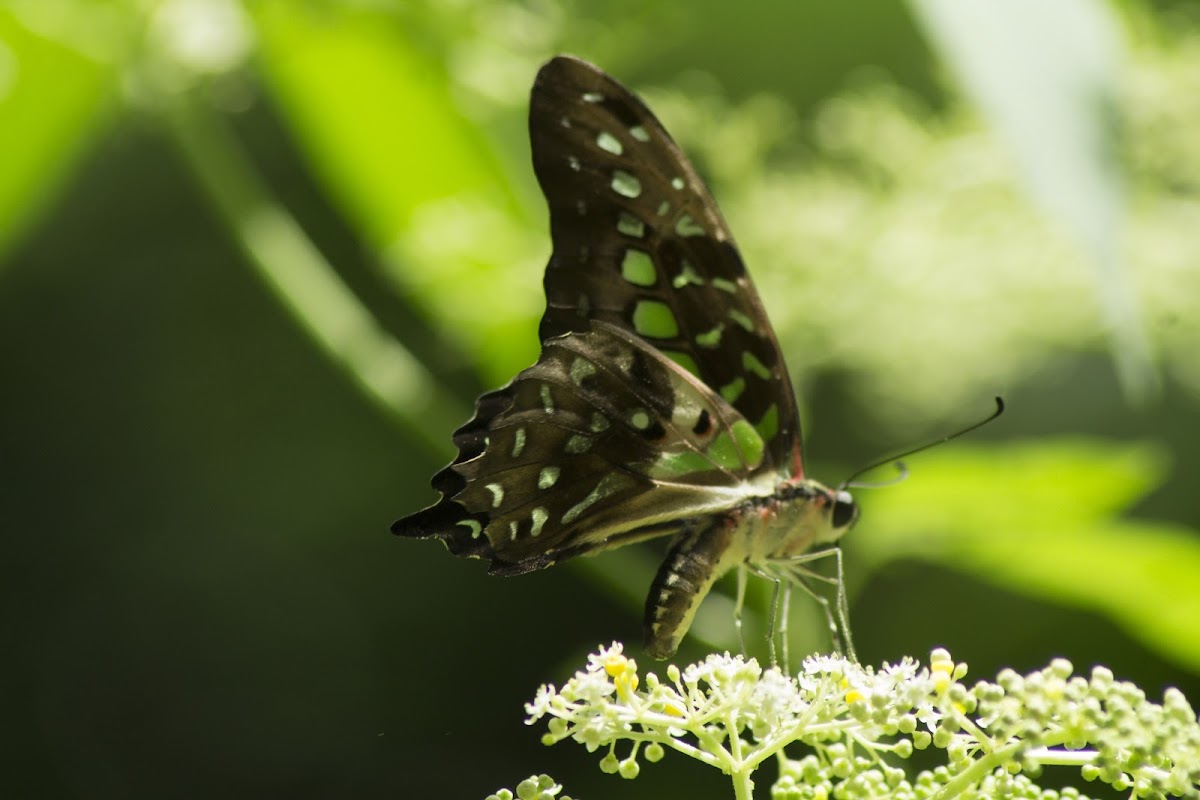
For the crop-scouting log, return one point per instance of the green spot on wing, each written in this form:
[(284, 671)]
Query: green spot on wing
[(741, 319), (749, 441), (752, 364), (474, 527), (686, 226), (768, 426), (547, 477), (687, 274), (538, 516), (710, 338), (733, 390), (725, 285), (742, 445), (631, 225), (684, 360), (581, 369), (739, 447), (626, 185), (609, 484), (638, 268), (654, 319), (610, 143), (675, 465), (577, 444)]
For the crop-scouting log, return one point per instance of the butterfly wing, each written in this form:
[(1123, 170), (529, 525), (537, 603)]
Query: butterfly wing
[(603, 441), (640, 243), (686, 408)]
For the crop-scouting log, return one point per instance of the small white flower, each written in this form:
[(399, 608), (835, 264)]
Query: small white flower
[(541, 703), (588, 687), (600, 659), (593, 733)]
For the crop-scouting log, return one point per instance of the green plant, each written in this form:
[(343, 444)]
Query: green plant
[(856, 721)]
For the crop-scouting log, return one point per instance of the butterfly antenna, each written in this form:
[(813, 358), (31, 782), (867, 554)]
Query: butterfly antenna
[(849, 482), (901, 469)]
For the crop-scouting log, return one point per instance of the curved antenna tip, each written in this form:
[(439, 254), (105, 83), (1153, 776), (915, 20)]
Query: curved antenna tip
[(900, 464)]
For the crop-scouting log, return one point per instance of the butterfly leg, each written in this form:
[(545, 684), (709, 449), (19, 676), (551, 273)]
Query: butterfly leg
[(843, 608), (837, 616), (843, 640), (783, 627), (798, 577), (776, 580), (739, 606), (773, 618)]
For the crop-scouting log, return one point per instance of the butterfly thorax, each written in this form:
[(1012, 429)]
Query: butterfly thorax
[(799, 516)]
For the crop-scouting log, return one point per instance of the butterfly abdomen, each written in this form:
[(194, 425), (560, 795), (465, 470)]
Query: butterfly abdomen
[(696, 559)]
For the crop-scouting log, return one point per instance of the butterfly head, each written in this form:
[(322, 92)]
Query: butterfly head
[(839, 511), (807, 516)]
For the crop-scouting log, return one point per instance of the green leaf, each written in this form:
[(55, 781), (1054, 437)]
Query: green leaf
[(1048, 519), (1046, 76), (53, 100), (375, 115)]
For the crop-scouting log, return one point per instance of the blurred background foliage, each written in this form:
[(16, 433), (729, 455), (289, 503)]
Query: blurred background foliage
[(256, 259)]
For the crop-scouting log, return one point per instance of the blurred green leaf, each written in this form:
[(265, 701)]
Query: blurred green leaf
[(375, 115), (372, 111), (53, 99), (1046, 75), (303, 280), (1046, 519)]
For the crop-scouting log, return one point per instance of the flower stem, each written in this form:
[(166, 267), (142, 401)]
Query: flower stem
[(975, 773), (743, 785)]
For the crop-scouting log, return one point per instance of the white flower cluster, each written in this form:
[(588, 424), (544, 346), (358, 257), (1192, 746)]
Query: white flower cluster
[(731, 714), (535, 787)]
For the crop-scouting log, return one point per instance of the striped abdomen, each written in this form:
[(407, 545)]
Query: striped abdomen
[(696, 559)]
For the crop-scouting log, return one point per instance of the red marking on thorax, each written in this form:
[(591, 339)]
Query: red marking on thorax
[(797, 465)]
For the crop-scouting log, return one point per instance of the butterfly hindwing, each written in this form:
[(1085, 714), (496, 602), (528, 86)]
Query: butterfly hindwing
[(601, 442), (640, 243)]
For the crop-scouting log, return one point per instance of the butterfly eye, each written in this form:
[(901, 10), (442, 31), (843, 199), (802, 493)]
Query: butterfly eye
[(845, 511)]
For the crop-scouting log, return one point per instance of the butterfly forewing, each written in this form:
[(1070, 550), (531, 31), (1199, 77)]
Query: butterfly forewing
[(638, 242)]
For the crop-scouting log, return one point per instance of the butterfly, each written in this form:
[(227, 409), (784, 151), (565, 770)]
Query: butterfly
[(660, 404)]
